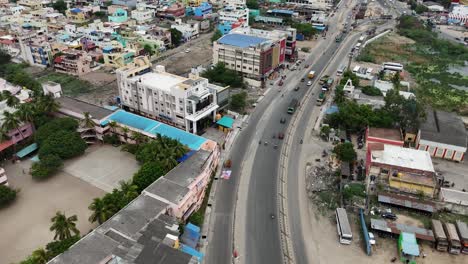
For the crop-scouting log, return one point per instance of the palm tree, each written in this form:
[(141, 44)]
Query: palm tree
[(47, 104), (10, 122), (129, 190), (40, 256), (138, 137), (100, 211), (26, 113), (113, 126), (88, 121), (64, 226), (11, 99), (125, 132)]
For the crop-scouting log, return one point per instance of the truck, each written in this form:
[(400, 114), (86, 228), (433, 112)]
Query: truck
[(292, 106), (321, 98), (311, 74), (328, 84), (339, 38), (323, 79)]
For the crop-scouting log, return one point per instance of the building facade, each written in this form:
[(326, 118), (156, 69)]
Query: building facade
[(73, 62), (186, 103), (443, 135)]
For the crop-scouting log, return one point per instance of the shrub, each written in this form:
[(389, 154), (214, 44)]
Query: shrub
[(64, 144), (7, 195), (354, 189), (305, 49), (370, 90), (112, 139), (55, 248), (47, 166), (148, 173)]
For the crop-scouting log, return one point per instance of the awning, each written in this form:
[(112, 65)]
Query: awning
[(27, 150), (226, 121), (5, 144)]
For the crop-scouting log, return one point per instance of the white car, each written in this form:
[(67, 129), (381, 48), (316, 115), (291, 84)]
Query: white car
[(309, 83), (371, 238), (187, 50)]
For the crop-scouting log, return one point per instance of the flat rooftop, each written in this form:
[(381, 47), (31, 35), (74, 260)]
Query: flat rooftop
[(167, 190), (154, 127), (444, 127), (241, 40), (160, 80), (81, 107), (385, 133), (403, 157), (186, 172)]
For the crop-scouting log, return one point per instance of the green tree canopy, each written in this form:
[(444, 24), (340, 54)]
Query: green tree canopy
[(224, 76), (305, 29), (7, 195), (64, 144), (56, 248), (217, 34), (176, 37), (252, 4), (100, 211), (57, 124), (238, 101), (147, 174), (64, 226), (345, 152), (47, 166), (4, 57), (60, 6)]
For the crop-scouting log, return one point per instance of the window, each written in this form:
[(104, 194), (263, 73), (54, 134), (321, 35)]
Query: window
[(168, 112), (256, 69), (126, 92), (250, 68), (385, 171), (243, 67), (181, 109), (238, 66)]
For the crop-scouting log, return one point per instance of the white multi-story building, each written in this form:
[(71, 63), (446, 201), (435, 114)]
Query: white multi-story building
[(142, 15), (186, 103), (315, 4), (190, 30)]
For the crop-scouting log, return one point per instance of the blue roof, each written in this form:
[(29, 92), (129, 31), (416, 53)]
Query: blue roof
[(193, 227), (76, 10), (409, 245), (241, 40), (226, 121), (191, 251), (282, 11), (35, 158), (27, 150), (154, 127)]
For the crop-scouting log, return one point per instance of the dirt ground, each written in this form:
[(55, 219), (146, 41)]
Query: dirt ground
[(25, 224), (104, 88), (201, 53)]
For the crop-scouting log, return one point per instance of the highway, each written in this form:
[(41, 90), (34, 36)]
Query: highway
[(252, 188)]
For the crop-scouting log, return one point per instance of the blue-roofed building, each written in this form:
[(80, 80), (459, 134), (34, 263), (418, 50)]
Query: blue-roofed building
[(281, 12), (241, 41), (203, 10)]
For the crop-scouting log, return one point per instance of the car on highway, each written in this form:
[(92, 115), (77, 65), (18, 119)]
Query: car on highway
[(303, 79), (297, 88), (390, 216), (309, 83), (293, 68), (187, 50), (283, 120), (280, 135)]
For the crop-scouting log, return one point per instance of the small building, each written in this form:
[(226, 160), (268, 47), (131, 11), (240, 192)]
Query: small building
[(203, 10), (73, 62), (443, 135), (119, 16), (433, 6), (408, 248), (52, 88), (402, 170), (225, 123), (387, 136)]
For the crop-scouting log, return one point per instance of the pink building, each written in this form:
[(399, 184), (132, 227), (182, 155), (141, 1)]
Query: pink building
[(24, 131), (183, 188)]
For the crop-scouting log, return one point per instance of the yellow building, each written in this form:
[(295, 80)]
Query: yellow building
[(76, 16), (403, 170)]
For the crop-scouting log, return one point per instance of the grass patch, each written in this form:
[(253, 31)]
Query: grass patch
[(71, 85), (450, 217), (327, 200)]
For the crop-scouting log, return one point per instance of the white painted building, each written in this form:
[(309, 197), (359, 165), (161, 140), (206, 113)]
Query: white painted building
[(314, 4), (142, 15), (190, 30), (186, 103), (443, 135)]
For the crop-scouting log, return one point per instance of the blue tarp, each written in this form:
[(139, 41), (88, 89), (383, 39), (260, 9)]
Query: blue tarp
[(191, 251), (409, 245), (193, 227), (226, 121), (35, 158), (75, 10), (331, 110), (27, 150), (194, 142)]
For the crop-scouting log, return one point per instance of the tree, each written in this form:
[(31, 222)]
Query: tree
[(100, 211), (125, 132), (7, 195), (4, 57), (47, 104), (11, 100), (345, 152), (57, 124), (325, 131), (138, 137), (26, 113), (421, 9), (252, 4), (217, 34), (148, 49), (222, 75), (64, 144), (305, 29), (129, 191), (40, 256), (64, 226), (56, 248), (47, 166), (88, 121), (147, 174), (176, 37), (113, 125), (10, 122), (238, 101), (60, 6), (396, 80)]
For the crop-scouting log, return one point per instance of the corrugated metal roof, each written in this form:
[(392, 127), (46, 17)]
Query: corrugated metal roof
[(394, 228), (406, 202), (240, 40)]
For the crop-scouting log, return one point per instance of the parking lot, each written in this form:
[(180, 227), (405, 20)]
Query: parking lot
[(103, 166), (453, 172), (25, 224)]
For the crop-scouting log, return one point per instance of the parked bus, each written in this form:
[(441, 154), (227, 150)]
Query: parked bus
[(341, 70), (292, 106), (441, 242), (343, 227), (462, 229), (453, 239), (392, 66)]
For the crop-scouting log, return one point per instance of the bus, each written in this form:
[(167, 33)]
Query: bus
[(343, 227), (341, 70), (441, 242), (392, 66), (292, 106), (462, 229), (453, 239)]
